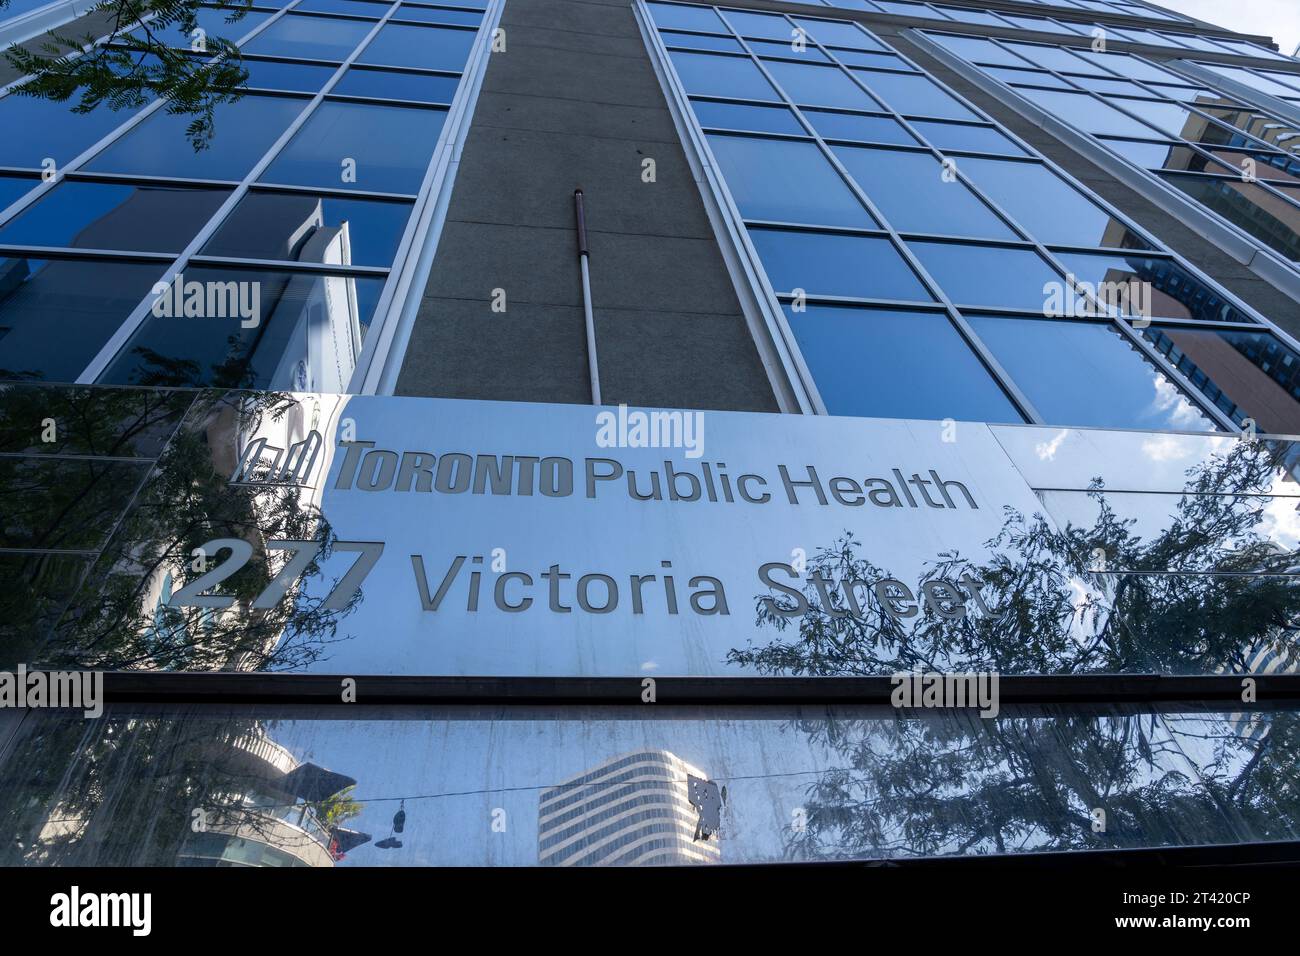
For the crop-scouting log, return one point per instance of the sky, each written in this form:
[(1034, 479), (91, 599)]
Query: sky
[(1279, 19)]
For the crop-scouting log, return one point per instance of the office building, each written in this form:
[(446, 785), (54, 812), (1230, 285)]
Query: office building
[(496, 386)]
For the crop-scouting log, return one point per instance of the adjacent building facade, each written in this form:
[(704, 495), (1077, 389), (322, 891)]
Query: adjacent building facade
[(918, 337)]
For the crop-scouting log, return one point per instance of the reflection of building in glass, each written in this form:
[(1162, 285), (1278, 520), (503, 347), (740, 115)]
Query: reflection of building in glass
[(308, 332), (632, 810), (275, 813), (259, 805)]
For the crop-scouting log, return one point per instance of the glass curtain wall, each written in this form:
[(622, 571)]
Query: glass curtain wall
[(131, 255), (931, 265)]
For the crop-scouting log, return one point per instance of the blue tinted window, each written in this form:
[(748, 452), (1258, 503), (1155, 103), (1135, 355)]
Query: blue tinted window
[(311, 38), (111, 216), (438, 15), (977, 50), (786, 181), (159, 146), (976, 139), (213, 22), (863, 267), (725, 44), (390, 84), (36, 129), (808, 83), (866, 129), (390, 145), (914, 95), (432, 48), (987, 275), (909, 188), (887, 364), (58, 314), (1046, 205), (1088, 113), (1054, 58), (770, 48), (11, 187), (1087, 374), (884, 61), (764, 26), (354, 8), (686, 18), (306, 336), (302, 227), (767, 119), (830, 33), (1022, 77), (299, 77), (708, 75)]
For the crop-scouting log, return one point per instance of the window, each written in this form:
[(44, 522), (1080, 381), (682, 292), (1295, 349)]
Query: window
[(111, 216), (890, 364), (1044, 204), (763, 26), (1086, 374), (702, 42), (829, 264), (290, 330), (159, 147), (855, 126), (60, 312), (310, 38), (786, 181), (299, 226), (814, 85), (766, 119), (910, 189), (36, 130), (430, 48), (297, 77), (357, 146), (710, 75), (913, 95), (988, 275), (390, 84), (964, 136), (675, 16)]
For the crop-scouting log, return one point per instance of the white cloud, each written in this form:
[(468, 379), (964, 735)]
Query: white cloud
[(1279, 19)]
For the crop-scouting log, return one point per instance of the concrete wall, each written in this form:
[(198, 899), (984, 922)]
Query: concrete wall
[(574, 102)]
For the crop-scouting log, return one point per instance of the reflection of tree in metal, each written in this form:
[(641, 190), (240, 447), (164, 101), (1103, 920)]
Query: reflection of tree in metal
[(123, 620), (155, 791), (1205, 595)]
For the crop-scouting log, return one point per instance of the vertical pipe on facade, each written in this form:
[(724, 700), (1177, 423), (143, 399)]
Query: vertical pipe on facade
[(593, 367)]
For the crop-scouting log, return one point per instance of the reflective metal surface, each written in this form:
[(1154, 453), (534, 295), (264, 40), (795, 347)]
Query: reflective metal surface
[(592, 786), (396, 536)]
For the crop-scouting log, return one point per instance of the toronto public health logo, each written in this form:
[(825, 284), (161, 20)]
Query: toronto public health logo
[(262, 463)]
